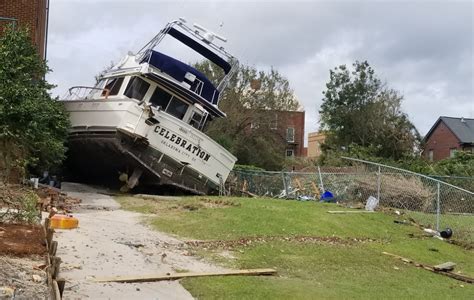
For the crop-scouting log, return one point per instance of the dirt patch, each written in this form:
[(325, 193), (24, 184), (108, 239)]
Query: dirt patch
[(215, 203), (22, 240), (248, 241), (21, 278)]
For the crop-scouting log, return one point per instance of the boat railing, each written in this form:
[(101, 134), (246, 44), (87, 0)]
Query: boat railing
[(85, 92)]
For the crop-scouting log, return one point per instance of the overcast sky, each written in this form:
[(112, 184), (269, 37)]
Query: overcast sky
[(422, 48)]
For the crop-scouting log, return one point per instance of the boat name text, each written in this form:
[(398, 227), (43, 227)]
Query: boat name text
[(181, 142)]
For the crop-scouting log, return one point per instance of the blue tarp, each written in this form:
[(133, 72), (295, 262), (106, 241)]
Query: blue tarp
[(178, 69)]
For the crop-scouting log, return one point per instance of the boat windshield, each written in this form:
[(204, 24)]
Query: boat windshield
[(112, 85), (169, 103), (136, 88)]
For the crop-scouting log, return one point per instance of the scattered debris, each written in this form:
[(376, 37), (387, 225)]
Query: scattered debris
[(169, 276), (244, 242), (53, 197), (349, 211), (447, 266), (433, 269), (433, 233), (327, 196), (64, 222), (371, 204), (447, 233), (404, 222)]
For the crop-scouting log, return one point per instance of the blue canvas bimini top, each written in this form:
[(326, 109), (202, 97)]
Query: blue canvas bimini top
[(178, 70)]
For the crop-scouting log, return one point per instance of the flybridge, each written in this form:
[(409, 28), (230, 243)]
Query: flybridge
[(200, 40)]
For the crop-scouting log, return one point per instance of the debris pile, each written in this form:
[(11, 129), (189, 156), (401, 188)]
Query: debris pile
[(247, 241), (53, 197)]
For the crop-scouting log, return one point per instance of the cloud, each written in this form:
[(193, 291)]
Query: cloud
[(424, 49)]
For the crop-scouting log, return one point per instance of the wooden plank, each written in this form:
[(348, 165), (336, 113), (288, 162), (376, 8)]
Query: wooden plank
[(56, 293), (460, 277), (169, 276), (349, 211), (53, 248), (447, 266)]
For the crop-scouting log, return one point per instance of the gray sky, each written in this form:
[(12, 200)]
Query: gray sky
[(422, 48)]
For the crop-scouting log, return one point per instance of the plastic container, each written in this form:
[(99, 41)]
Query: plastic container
[(64, 222)]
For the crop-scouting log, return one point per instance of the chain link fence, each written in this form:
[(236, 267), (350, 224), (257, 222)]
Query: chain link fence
[(431, 202)]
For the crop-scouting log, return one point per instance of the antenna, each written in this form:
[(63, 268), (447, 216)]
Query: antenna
[(209, 35)]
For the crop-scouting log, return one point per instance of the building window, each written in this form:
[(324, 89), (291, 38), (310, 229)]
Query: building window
[(290, 152), (136, 88), (290, 134), (452, 152), (430, 155), (113, 86)]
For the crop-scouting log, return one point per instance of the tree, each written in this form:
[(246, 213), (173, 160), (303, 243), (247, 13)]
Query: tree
[(359, 110), (33, 126), (260, 145)]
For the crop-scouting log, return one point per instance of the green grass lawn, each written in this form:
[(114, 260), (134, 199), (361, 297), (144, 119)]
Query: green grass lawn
[(334, 269)]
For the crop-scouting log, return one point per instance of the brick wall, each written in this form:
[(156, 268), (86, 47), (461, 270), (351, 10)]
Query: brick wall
[(294, 119), (441, 140), (29, 13)]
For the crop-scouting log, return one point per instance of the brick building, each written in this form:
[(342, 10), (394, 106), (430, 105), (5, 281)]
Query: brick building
[(315, 140), (290, 126), (447, 136), (27, 13)]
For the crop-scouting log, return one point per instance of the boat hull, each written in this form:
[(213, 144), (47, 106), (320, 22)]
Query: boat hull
[(103, 157), (110, 138)]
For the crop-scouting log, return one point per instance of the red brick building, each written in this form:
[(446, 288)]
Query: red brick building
[(447, 136), (290, 126), (27, 13)]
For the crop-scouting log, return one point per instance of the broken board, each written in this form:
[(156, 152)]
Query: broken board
[(169, 276), (447, 266)]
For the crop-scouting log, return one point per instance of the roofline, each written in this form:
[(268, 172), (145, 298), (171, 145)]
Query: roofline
[(441, 119)]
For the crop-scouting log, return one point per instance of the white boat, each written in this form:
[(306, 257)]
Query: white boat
[(143, 122)]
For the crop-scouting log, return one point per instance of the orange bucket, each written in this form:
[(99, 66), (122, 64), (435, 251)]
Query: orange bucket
[(64, 222)]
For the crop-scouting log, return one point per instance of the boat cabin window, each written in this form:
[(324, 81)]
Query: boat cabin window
[(168, 103), (113, 85), (177, 108), (160, 98), (136, 88)]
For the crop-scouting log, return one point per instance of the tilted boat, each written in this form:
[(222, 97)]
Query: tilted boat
[(143, 121)]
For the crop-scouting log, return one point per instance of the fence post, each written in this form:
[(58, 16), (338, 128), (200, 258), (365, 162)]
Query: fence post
[(285, 185), (438, 208), (378, 184), (321, 180)]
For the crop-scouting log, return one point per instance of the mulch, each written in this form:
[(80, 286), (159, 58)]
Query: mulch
[(22, 240)]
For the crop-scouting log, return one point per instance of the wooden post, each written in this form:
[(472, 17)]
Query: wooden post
[(49, 237), (61, 284), (53, 248), (55, 262)]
